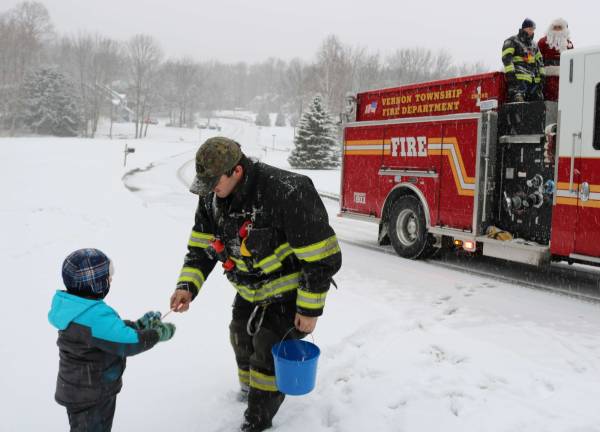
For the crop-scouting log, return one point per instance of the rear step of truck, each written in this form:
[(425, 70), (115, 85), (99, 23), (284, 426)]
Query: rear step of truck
[(523, 252)]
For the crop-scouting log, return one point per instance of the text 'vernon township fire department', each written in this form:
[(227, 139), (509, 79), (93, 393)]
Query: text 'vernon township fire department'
[(427, 102)]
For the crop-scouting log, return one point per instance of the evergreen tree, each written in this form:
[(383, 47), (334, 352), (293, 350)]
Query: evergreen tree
[(315, 142), (50, 104), (280, 120), (263, 119)]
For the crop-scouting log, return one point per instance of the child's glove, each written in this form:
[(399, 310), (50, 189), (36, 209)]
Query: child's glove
[(165, 330), (148, 320)]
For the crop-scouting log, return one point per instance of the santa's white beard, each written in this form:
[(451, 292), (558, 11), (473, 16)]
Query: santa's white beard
[(558, 39)]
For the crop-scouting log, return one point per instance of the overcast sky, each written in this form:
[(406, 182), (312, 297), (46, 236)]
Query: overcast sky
[(253, 30)]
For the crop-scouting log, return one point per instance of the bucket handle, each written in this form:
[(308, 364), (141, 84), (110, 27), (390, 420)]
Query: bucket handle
[(286, 334)]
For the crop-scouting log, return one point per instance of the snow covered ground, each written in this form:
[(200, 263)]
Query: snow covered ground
[(406, 346)]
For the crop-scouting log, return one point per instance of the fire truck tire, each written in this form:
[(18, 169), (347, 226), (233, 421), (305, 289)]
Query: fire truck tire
[(408, 229)]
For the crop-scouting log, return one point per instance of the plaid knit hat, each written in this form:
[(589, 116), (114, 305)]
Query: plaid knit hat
[(86, 273)]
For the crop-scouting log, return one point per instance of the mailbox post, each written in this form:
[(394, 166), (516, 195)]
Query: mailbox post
[(126, 151)]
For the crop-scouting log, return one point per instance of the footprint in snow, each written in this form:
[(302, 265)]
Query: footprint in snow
[(398, 404), (442, 299), (451, 311), (456, 402), (440, 355)]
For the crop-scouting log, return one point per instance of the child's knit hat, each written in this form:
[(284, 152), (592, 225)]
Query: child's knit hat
[(86, 273)]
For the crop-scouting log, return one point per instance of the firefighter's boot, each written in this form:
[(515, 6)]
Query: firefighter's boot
[(262, 407)]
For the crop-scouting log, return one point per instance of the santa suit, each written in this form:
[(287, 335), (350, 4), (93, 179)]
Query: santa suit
[(551, 46)]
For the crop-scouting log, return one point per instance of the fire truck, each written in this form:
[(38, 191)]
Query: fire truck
[(452, 163)]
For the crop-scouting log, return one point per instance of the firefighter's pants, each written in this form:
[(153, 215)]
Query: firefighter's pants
[(523, 91), (253, 354)]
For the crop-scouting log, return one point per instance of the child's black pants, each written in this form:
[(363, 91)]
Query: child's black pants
[(95, 418)]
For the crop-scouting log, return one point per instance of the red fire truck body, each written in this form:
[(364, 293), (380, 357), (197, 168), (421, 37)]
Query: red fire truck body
[(451, 162)]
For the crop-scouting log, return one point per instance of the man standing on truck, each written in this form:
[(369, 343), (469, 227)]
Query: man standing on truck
[(556, 40), (523, 65), (270, 230)]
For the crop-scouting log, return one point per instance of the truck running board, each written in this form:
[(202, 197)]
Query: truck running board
[(526, 252)]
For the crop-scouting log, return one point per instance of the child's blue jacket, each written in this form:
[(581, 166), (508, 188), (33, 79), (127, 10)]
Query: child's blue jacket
[(93, 342)]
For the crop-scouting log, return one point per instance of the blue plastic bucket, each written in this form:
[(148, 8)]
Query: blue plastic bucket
[(295, 366)]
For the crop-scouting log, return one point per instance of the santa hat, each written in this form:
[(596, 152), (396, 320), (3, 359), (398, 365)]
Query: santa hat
[(558, 22), (558, 39)]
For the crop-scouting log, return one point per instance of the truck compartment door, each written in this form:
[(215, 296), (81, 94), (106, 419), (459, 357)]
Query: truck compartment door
[(587, 230), (363, 152), (411, 160), (458, 145), (570, 106)]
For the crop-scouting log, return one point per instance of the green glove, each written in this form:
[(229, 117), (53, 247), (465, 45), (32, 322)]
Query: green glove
[(165, 330), (148, 320)]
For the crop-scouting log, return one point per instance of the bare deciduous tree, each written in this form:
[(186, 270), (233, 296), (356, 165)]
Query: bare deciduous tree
[(182, 87), (334, 70), (144, 56)]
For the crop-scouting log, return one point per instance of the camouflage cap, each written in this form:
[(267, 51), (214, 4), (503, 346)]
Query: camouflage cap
[(213, 159)]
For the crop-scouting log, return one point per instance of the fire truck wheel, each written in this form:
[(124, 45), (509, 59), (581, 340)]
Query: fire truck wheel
[(408, 229)]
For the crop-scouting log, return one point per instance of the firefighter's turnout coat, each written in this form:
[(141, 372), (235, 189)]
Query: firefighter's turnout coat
[(290, 250), (522, 59)]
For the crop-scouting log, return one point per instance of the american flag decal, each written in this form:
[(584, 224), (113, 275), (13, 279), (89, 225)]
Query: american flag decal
[(371, 108)]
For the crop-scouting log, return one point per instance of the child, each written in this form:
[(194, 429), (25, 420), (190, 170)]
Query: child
[(93, 341)]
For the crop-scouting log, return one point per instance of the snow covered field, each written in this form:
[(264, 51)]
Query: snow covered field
[(406, 346)]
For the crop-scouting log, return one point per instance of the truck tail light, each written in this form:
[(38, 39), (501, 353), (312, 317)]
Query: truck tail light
[(469, 246)]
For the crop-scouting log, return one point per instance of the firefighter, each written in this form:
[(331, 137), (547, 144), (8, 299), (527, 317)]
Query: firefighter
[(270, 230), (556, 40), (523, 65)]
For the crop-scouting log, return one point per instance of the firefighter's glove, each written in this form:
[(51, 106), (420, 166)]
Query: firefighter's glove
[(165, 330), (148, 320)]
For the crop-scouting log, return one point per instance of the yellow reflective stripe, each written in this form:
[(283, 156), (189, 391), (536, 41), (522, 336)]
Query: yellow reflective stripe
[(524, 77), (508, 51), (283, 251), (318, 251), (538, 55), (271, 265), (240, 264), (537, 80), (509, 68), (517, 59), (308, 300), (244, 376), (273, 262), (193, 275), (262, 382), (542, 71), (269, 289), (201, 240)]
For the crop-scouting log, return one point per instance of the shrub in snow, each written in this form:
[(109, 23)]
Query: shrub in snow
[(294, 119), (263, 119), (50, 105), (315, 142), (280, 120)]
